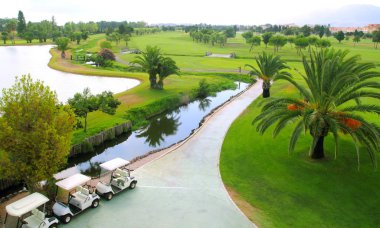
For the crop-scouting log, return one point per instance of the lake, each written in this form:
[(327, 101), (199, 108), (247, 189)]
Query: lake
[(33, 60)]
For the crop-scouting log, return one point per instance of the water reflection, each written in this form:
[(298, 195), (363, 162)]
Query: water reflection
[(159, 128), (204, 104)]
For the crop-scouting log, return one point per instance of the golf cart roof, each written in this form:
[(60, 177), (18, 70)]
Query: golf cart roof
[(26, 204), (73, 181), (114, 164)]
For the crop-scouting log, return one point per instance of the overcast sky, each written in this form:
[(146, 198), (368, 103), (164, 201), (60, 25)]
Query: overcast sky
[(172, 11)]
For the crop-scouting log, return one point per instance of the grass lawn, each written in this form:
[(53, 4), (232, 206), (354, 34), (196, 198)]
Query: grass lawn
[(291, 190)]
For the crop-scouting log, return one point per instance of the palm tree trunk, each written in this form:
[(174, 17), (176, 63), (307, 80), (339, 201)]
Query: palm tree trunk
[(266, 88), (153, 81), (318, 151)]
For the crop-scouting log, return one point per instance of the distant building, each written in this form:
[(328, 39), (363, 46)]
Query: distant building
[(366, 29)]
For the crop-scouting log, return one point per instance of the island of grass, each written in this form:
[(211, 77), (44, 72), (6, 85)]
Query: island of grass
[(291, 189)]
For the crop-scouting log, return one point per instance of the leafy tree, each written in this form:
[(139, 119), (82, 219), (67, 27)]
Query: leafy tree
[(277, 41), (84, 35), (306, 31), (319, 30), (35, 132), (269, 68), (356, 39), (266, 37), (230, 32), (247, 35), (126, 39), (4, 37), (301, 43), (334, 81), (339, 36), (291, 40), (254, 41), (84, 103), (21, 24), (77, 36), (376, 38), (166, 67), (62, 45), (323, 43), (11, 29)]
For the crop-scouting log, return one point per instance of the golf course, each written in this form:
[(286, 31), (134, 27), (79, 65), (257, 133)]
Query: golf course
[(283, 189)]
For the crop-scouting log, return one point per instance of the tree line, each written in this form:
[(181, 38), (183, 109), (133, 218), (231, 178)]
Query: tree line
[(17, 28)]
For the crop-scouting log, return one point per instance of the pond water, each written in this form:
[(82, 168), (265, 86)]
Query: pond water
[(33, 60), (163, 131)]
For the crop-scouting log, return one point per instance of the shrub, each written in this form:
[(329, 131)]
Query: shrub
[(107, 54), (203, 90)]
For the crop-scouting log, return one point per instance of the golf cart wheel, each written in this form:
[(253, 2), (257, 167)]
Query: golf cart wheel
[(109, 196), (95, 203), (133, 185), (66, 219), (55, 225)]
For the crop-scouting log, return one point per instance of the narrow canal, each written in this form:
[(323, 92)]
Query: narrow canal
[(163, 131)]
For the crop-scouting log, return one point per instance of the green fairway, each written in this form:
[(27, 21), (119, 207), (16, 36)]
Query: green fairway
[(190, 55)]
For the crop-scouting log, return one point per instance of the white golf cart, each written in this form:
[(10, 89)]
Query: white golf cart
[(119, 179), (27, 212), (79, 197)]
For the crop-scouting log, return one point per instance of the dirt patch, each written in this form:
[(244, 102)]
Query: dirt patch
[(130, 99), (243, 205)]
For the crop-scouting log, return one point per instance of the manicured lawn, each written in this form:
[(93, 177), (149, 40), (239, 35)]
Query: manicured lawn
[(291, 190), (190, 55)]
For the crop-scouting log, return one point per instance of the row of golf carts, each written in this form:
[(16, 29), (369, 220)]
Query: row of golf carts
[(30, 211)]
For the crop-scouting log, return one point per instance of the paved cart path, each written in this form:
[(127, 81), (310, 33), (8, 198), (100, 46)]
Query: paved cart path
[(181, 189)]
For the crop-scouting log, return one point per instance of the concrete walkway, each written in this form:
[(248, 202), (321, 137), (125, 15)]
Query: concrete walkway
[(181, 189)]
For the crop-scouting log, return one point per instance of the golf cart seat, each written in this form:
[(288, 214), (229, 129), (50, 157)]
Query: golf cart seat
[(35, 219), (81, 193), (121, 173)]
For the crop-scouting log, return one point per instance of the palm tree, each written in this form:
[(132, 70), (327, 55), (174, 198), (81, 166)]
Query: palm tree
[(269, 68), (62, 45), (167, 66), (149, 62), (153, 62), (333, 83)]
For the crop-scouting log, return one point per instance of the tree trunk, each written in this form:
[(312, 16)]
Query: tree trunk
[(266, 88), (160, 83), (318, 151), (266, 93), (85, 123)]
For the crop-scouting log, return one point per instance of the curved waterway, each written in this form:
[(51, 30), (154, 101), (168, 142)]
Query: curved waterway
[(33, 60), (164, 130)]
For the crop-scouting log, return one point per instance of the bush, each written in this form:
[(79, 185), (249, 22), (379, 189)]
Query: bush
[(107, 54), (106, 44), (203, 90)]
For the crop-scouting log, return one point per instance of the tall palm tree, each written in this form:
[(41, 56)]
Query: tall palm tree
[(167, 66), (269, 68), (149, 62), (330, 103)]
